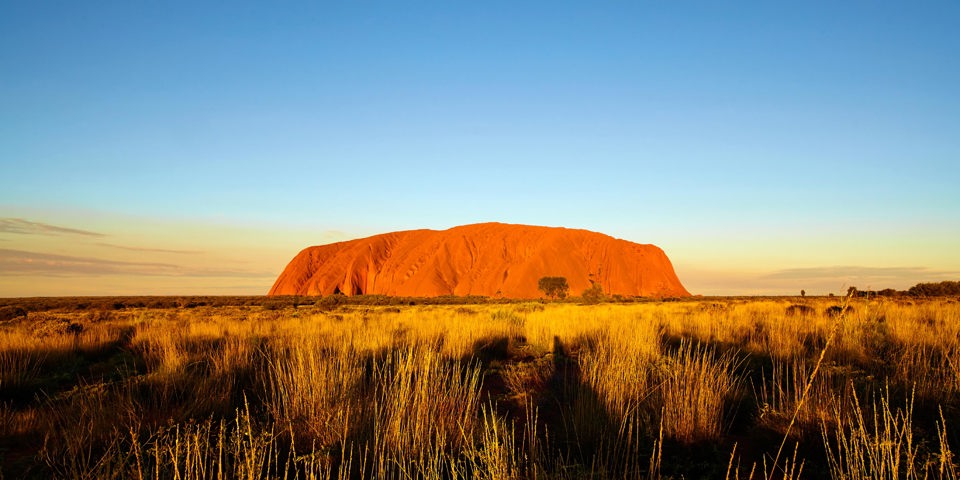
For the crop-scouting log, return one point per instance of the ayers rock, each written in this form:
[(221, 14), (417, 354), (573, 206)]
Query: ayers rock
[(489, 259)]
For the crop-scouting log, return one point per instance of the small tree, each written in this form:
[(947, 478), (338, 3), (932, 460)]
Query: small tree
[(803, 293), (593, 293), (554, 287)]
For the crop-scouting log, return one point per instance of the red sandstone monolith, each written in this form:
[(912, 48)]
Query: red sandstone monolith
[(489, 259)]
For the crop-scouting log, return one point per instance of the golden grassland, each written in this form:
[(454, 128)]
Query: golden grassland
[(705, 388)]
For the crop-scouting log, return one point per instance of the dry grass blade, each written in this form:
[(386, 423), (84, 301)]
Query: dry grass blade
[(838, 321)]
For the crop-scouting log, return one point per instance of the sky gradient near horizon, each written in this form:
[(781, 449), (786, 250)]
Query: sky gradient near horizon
[(189, 148)]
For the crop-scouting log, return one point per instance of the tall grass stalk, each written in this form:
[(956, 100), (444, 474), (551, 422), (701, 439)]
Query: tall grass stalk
[(813, 375)]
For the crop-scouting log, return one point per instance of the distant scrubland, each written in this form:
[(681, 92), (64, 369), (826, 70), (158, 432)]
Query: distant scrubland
[(345, 388)]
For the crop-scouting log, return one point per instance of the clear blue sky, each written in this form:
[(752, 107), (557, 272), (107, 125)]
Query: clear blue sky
[(762, 145)]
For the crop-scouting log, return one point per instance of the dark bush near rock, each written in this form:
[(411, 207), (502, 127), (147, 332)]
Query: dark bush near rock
[(836, 310), (800, 310), (10, 313)]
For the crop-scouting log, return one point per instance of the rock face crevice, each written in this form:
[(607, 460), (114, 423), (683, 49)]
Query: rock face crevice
[(489, 259)]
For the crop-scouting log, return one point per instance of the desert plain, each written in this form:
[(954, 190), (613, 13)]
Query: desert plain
[(471, 387)]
